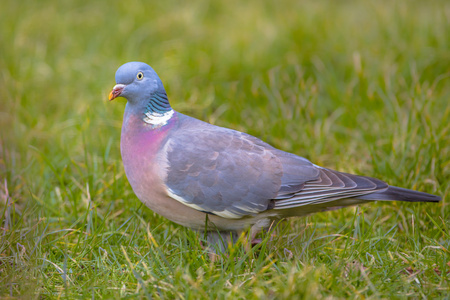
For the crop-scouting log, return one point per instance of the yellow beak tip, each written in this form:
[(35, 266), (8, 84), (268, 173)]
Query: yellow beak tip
[(111, 96)]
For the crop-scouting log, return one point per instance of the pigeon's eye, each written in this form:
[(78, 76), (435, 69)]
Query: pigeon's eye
[(140, 75)]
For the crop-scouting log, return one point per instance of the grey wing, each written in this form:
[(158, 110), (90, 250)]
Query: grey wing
[(221, 171), (232, 174), (328, 186)]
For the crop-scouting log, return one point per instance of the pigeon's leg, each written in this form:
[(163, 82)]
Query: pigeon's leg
[(263, 224), (253, 233), (251, 241), (218, 242)]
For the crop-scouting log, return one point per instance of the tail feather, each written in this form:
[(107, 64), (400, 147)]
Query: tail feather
[(393, 193)]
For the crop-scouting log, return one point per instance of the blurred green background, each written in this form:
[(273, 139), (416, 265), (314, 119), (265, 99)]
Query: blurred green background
[(361, 87)]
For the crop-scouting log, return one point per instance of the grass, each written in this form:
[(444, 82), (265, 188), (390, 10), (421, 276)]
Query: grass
[(362, 87)]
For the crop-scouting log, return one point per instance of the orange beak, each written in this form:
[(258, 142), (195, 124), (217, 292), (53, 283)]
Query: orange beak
[(116, 91)]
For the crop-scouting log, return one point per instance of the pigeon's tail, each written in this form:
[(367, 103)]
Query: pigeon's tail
[(393, 193)]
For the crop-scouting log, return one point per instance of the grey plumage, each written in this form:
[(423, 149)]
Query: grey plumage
[(221, 171)]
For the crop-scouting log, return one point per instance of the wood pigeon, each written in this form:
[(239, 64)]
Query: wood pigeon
[(221, 180)]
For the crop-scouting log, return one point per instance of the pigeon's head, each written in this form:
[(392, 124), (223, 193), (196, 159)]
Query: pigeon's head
[(137, 82)]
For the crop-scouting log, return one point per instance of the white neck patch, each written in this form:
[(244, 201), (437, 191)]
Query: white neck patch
[(157, 119)]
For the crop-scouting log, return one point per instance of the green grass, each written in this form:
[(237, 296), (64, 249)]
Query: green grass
[(361, 87)]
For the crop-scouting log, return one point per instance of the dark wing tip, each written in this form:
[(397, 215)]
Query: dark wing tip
[(393, 193)]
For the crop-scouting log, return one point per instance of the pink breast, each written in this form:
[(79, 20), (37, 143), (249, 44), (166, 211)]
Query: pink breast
[(140, 146)]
